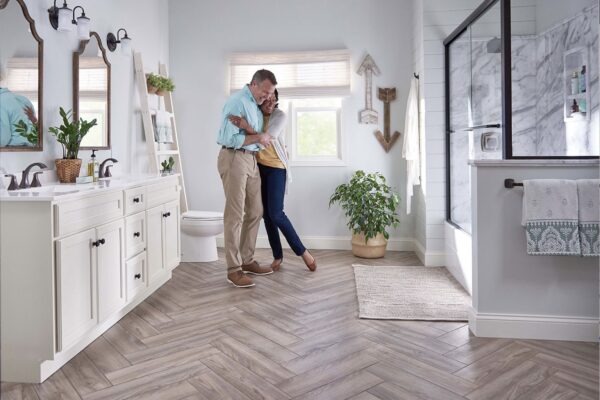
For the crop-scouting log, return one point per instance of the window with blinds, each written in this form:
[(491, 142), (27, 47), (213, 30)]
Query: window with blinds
[(305, 74), (22, 77)]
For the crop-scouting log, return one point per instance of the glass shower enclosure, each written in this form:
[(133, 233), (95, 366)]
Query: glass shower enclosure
[(474, 107)]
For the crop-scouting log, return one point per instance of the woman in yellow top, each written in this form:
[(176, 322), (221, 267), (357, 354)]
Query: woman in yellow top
[(274, 172)]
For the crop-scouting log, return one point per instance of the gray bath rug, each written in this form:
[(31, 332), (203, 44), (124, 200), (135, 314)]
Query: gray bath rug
[(415, 293)]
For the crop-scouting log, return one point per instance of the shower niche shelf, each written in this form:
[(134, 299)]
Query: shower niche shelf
[(576, 92)]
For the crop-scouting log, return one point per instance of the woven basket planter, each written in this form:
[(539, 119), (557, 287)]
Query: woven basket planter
[(373, 248), (67, 170)]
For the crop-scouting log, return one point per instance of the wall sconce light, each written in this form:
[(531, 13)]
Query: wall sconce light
[(83, 24), (63, 19), (112, 41), (60, 18)]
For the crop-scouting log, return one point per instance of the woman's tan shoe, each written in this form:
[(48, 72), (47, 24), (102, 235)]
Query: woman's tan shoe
[(276, 264), (312, 265)]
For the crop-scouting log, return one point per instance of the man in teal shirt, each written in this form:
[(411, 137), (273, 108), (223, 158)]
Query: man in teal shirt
[(13, 109), (241, 179)]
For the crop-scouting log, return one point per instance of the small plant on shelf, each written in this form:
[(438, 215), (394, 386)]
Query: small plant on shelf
[(153, 82), (167, 165), (166, 85)]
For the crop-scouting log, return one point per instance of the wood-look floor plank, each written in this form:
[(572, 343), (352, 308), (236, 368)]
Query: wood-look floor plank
[(344, 387), (83, 374), (57, 387), (155, 365), (151, 314), (513, 383), (548, 391), (264, 346), (122, 340), (137, 326), (253, 360), (147, 384), (17, 391), (582, 385), (418, 387), (212, 387), (457, 337), (389, 391), (367, 395), (105, 356), (475, 349), (565, 365), (326, 373), (244, 380), (264, 328)]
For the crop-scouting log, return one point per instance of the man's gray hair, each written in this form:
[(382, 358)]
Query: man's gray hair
[(263, 74)]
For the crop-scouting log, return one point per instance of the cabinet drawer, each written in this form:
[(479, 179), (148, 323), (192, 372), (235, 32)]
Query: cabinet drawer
[(161, 193), (77, 215), (136, 275), (135, 234), (135, 200)]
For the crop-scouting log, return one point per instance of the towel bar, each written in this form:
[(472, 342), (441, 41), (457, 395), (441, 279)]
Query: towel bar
[(510, 183)]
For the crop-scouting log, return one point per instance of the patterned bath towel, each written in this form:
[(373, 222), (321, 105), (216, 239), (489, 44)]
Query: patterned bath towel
[(550, 217), (588, 191)]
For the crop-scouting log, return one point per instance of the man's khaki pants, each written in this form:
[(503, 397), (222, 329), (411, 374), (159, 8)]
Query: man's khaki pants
[(243, 206)]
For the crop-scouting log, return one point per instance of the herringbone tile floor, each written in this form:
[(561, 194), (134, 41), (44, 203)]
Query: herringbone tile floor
[(297, 335)]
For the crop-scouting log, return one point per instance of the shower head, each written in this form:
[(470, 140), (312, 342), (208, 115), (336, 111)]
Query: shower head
[(494, 45)]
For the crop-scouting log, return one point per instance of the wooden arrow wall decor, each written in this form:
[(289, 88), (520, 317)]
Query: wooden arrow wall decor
[(387, 95), (368, 68)]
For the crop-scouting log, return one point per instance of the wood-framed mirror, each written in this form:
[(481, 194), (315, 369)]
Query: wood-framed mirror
[(91, 91), (21, 79)]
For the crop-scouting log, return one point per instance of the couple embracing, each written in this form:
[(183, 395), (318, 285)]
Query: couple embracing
[(253, 166)]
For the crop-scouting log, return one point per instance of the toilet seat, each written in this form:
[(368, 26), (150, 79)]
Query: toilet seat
[(202, 216)]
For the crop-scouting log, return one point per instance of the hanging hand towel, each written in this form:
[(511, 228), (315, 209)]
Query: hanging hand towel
[(550, 217), (410, 145), (163, 132), (589, 216)]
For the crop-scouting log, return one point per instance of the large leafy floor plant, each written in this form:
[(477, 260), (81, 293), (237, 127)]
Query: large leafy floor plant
[(369, 203)]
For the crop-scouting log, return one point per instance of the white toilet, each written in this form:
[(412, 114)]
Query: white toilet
[(198, 235)]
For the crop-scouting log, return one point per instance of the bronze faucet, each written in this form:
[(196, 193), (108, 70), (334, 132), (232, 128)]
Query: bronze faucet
[(25, 175), (105, 173)]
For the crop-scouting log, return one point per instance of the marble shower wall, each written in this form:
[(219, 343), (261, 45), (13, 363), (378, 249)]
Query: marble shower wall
[(538, 83)]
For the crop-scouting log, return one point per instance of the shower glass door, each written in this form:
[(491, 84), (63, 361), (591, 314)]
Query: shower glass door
[(474, 108)]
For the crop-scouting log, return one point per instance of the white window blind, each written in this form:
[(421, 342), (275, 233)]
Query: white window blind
[(93, 77), (22, 76), (298, 74)]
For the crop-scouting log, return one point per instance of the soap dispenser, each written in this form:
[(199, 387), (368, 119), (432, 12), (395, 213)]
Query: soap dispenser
[(93, 167)]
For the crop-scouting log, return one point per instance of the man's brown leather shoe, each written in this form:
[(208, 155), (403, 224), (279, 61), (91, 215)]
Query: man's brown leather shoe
[(254, 268), (239, 279)]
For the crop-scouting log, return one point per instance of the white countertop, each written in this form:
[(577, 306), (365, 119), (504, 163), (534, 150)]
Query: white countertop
[(535, 163), (71, 191)]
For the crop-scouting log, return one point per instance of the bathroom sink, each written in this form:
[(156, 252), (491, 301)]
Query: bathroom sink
[(58, 189)]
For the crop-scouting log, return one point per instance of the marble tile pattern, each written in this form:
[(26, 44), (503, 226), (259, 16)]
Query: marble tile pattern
[(537, 95)]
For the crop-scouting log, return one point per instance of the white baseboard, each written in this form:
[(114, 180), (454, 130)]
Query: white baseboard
[(429, 259), (331, 243), (540, 327)]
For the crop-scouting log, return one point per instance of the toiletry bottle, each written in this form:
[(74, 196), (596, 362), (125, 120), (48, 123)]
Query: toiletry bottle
[(574, 107), (574, 83), (582, 77), (92, 167), (582, 105)]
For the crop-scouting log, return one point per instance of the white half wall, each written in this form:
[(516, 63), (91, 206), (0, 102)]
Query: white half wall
[(515, 294), (147, 26), (204, 33)]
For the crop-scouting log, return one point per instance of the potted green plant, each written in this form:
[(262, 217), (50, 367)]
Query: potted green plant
[(167, 165), (30, 134), (166, 85), (153, 82), (370, 207), (69, 135)]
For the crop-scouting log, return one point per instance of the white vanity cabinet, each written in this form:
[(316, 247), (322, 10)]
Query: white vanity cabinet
[(73, 264)]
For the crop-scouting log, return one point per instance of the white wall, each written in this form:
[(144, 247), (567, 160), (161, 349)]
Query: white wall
[(517, 295), (147, 26), (203, 34)]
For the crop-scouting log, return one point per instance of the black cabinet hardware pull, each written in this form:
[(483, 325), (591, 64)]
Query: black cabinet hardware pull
[(167, 214), (136, 234), (137, 276), (96, 243), (136, 199), (101, 241)]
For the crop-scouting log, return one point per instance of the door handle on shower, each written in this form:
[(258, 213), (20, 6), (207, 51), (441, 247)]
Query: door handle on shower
[(470, 128)]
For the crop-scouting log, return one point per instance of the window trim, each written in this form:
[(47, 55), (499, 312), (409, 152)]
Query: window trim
[(315, 161)]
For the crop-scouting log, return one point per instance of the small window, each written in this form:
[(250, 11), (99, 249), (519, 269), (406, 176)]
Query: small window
[(314, 131)]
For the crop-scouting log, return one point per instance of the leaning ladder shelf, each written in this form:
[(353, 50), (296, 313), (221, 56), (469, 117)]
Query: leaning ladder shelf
[(158, 151)]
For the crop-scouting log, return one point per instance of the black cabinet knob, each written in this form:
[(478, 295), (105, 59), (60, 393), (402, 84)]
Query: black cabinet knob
[(96, 243), (137, 276), (136, 199), (136, 234), (101, 241), (167, 214)]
